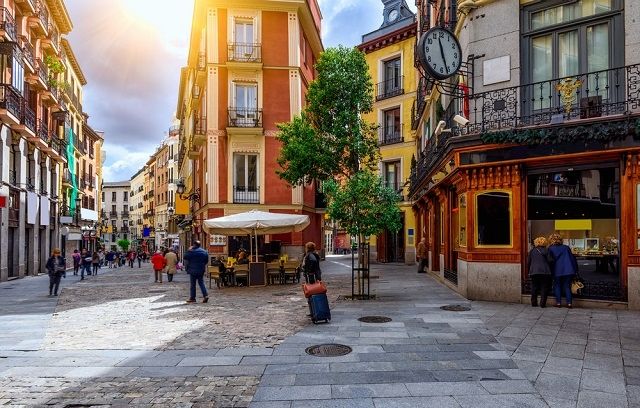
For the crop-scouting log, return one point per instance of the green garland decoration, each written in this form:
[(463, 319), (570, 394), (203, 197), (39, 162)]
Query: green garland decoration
[(600, 132)]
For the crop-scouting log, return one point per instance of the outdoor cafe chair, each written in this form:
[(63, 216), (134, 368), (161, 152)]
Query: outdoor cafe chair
[(274, 272), (214, 274), (291, 270), (241, 271)]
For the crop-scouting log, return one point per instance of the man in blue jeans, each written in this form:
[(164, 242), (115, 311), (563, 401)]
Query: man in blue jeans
[(197, 262)]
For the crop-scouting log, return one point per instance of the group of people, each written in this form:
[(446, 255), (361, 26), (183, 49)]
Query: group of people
[(551, 261), (164, 260)]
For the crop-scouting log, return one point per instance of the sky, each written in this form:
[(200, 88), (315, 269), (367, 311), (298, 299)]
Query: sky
[(131, 52)]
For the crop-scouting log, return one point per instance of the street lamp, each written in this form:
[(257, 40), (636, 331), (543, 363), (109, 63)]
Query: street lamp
[(78, 205), (180, 187)]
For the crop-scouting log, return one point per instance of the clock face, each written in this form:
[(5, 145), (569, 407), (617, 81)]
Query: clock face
[(393, 14), (440, 53)]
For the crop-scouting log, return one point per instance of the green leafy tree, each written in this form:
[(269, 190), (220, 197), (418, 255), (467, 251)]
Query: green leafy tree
[(124, 244), (331, 143)]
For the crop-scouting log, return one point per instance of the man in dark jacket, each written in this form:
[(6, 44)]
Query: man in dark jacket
[(197, 262), (311, 264)]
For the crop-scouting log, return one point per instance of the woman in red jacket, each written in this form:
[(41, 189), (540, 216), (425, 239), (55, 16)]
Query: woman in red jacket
[(158, 262)]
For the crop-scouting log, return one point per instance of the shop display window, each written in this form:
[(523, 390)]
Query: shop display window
[(462, 220), (638, 215), (494, 218)]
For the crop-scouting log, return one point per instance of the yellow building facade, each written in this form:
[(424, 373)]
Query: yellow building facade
[(390, 54)]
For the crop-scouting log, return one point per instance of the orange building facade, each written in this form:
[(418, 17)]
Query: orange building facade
[(249, 67)]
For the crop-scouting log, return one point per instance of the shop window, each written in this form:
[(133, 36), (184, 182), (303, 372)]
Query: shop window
[(441, 224), (638, 214), (462, 220), (493, 219)]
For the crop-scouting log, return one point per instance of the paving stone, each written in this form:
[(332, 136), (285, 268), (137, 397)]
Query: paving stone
[(597, 399), (209, 361), (508, 387), (567, 350), (603, 347), (605, 381), (445, 388), (231, 371), (502, 401), (558, 386), (368, 391), (603, 362), (566, 366), (293, 392), (416, 402), (165, 371)]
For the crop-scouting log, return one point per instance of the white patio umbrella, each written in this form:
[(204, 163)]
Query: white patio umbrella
[(257, 223)]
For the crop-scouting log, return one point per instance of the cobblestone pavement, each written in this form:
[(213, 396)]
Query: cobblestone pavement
[(119, 339)]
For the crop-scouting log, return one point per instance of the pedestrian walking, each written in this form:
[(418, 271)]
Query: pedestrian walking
[(101, 255), (86, 264), (422, 255), (159, 263), (139, 256), (56, 266), (565, 268), (131, 256), (172, 262), (311, 264), (539, 264), (110, 257), (76, 261), (197, 261), (95, 262)]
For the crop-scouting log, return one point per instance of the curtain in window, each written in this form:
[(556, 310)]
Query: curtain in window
[(542, 65)]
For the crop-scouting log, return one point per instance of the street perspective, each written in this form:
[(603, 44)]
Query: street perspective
[(320, 203)]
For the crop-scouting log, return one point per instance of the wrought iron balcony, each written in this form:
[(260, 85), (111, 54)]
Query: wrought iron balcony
[(43, 14), (43, 131), (549, 105), (125, 214), (420, 103), (8, 23), (246, 195), (10, 100), (389, 88), (245, 117), (28, 52), (43, 71), (113, 214), (591, 95), (28, 117), (390, 135), (245, 52)]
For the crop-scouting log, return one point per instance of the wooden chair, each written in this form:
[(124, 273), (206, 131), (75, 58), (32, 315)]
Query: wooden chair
[(274, 272), (241, 271), (214, 274), (291, 270)]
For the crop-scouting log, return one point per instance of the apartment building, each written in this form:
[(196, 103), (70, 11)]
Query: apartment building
[(115, 213), (389, 52), (248, 68), (136, 206), (39, 155), (535, 136)]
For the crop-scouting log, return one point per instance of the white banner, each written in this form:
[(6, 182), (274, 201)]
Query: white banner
[(32, 207), (88, 215), (44, 211)]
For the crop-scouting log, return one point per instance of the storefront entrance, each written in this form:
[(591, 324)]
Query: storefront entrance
[(581, 203)]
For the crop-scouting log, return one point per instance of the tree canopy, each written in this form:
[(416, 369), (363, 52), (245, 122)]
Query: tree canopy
[(331, 143), (124, 244)]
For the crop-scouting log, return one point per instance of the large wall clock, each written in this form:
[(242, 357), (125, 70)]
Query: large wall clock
[(439, 53)]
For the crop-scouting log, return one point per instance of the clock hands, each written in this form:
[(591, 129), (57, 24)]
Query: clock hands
[(444, 61)]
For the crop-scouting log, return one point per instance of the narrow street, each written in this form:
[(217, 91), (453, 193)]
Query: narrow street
[(119, 339)]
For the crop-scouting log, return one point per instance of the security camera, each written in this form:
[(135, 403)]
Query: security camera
[(440, 127), (460, 120)]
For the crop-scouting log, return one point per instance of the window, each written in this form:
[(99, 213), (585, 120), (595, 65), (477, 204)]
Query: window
[(493, 219), (391, 130), (103, 196), (392, 77), (568, 40), (462, 220), (245, 175), (17, 75), (244, 31), (113, 208), (246, 104), (126, 196), (392, 175), (244, 47), (114, 196)]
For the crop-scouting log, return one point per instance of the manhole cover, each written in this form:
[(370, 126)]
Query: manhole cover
[(375, 319), (455, 308), (328, 350)]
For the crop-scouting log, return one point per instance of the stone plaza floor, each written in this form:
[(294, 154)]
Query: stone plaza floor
[(119, 339)]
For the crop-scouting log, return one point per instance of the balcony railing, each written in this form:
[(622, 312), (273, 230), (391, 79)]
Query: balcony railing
[(57, 144), (28, 117), (246, 195), (125, 214), (245, 117), (420, 103), (245, 52), (28, 51), (389, 88), (113, 214), (10, 100), (43, 14), (13, 179), (390, 135), (54, 36), (67, 177), (595, 94), (8, 23), (43, 131), (202, 61), (43, 72)]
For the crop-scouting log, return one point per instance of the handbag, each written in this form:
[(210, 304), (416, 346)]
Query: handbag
[(576, 286), (316, 288)]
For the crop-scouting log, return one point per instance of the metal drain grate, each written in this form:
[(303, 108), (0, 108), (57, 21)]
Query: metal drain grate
[(375, 319), (328, 350), (455, 308)]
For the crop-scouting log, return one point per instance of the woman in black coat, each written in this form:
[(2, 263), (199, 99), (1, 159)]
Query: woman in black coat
[(539, 267), (55, 267)]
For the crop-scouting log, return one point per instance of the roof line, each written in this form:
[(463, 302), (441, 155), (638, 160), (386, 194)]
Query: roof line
[(74, 62)]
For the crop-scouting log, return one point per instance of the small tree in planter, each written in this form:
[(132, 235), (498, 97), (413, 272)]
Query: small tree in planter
[(124, 244)]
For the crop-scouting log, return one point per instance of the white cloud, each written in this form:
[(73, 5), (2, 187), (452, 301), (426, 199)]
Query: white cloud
[(122, 163)]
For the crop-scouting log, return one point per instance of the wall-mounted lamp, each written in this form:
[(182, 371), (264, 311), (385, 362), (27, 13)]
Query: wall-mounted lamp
[(180, 187)]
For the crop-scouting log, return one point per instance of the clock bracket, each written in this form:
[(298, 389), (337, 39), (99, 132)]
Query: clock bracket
[(451, 86)]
